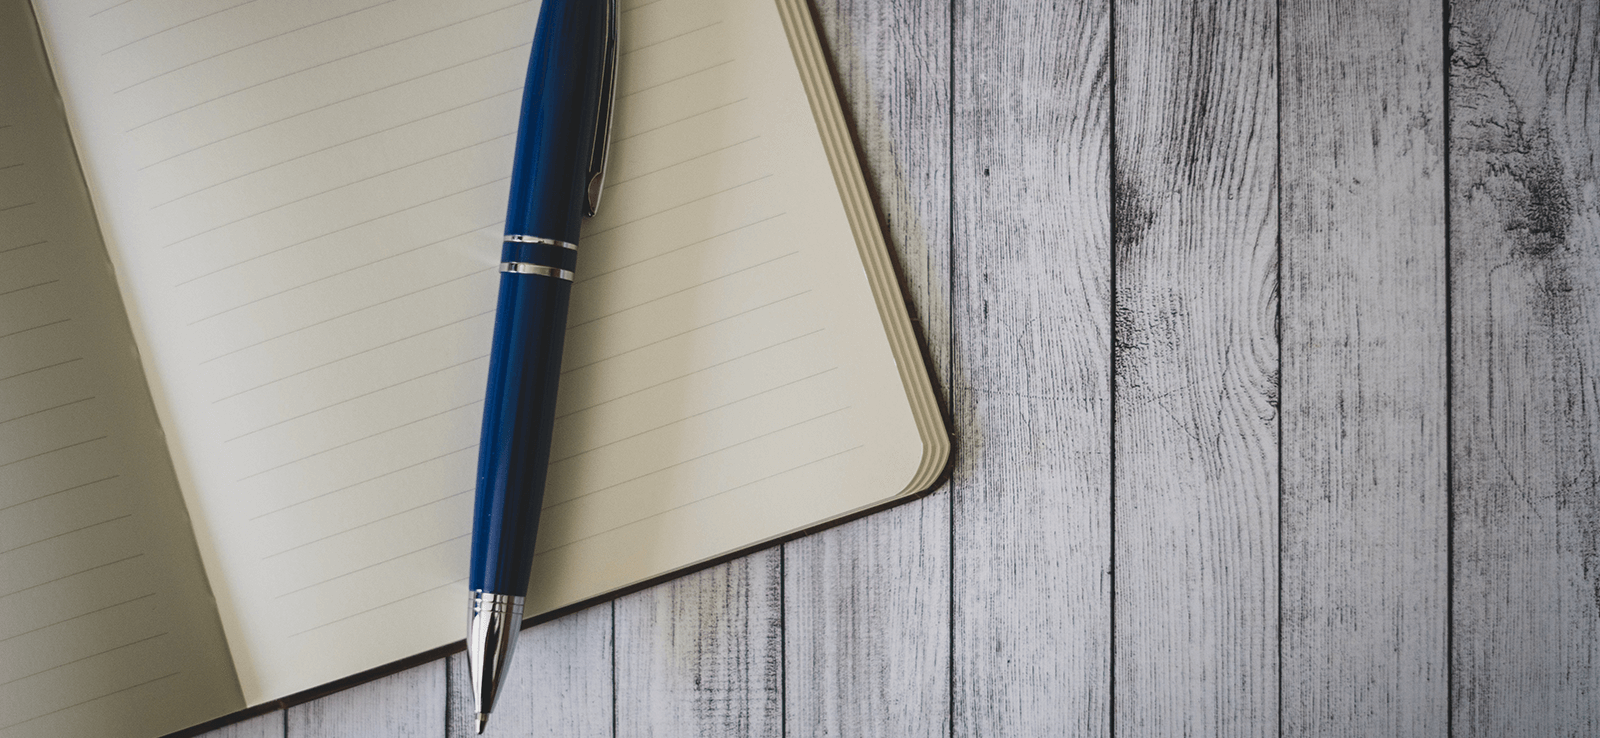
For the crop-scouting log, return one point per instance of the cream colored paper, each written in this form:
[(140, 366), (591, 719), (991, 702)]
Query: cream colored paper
[(106, 626), (303, 201)]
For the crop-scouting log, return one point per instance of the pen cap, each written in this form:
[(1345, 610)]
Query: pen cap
[(560, 113)]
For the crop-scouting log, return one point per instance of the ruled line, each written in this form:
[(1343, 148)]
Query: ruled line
[(48, 409), (67, 533), (346, 185), (40, 369), (352, 356), (12, 166), (85, 658), (330, 61), (95, 699), (341, 272), (29, 287), (15, 207), (683, 204), (366, 524), (73, 574), (619, 183), (24, 246), (699, 500), (690, 374), (697, 285), (676, 79), (686, 332), (374, 565), (389, 473), (684, 119), (640, 5), (345, 142), (737, 444), (324, 321), (357, 397), (675, 250), (363, 438), (59, 492), (78, 617), (379, 607), (630, 52), (114, 7), (176, 27), (248, 45), (320, 236), (686, 418), (35, 328), (54, 450), (340, 101)]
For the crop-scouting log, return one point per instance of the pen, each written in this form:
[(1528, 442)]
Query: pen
[(556, 177)]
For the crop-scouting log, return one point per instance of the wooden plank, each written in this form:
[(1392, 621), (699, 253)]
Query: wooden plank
[(1365, 515), (866, 605), (270, 725), (1032, 289), (1525, 291), (559, 685), (1195, 363), (410, 704), (702, 655)]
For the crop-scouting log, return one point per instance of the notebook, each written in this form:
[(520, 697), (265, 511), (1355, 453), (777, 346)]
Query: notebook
[(248, 257)]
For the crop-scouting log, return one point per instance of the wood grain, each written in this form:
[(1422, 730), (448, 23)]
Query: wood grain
[(1032, 288), (559, 684), (1196, 364), (1525, 288), (1365, 543), (410, 704), (866, 605), (703, 655), (270, 725)]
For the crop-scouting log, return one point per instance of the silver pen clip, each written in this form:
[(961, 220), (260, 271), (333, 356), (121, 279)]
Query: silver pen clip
[(608, 98)]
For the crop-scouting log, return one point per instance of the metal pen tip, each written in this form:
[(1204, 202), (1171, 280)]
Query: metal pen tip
[(483, 720)]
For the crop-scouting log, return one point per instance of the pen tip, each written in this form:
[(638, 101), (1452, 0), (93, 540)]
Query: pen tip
[(483, 720)]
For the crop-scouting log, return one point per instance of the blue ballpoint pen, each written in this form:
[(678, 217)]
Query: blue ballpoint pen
[(555, 182)]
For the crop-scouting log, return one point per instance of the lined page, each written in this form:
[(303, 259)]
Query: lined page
[(106, 627), (304, 200)]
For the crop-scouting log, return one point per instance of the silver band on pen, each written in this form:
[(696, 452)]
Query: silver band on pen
[(545, 241), (518, 267)]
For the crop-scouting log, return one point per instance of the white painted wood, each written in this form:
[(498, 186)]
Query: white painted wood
[(1195, 386), (866, 605), (559, 683), (703, 655), (410, 704), (1525, 288), (1032, 288), (1365, 513)]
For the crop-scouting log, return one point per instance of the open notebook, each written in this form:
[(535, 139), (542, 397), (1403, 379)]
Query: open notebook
[(240, 392)]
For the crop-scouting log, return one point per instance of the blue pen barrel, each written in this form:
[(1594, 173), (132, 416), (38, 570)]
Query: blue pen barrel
[(550, 176), (518, 418)]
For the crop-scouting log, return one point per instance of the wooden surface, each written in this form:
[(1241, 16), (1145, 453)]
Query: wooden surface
[(1134, 231)]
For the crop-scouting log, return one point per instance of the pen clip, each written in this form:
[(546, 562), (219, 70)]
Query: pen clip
[(606, 100)]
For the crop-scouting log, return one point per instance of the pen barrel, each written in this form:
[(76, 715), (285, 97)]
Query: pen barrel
[(518, 418), (560, 118)]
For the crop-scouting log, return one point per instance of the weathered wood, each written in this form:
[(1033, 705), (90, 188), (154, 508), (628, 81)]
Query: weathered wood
[(1196, 364), (1032, 289), (1365, 515), (866, 605), (1525, 290), (270, 725), (559, 686), (410, 704), (703, 655)]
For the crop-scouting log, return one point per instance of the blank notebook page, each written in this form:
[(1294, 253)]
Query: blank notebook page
[(304, 203)]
